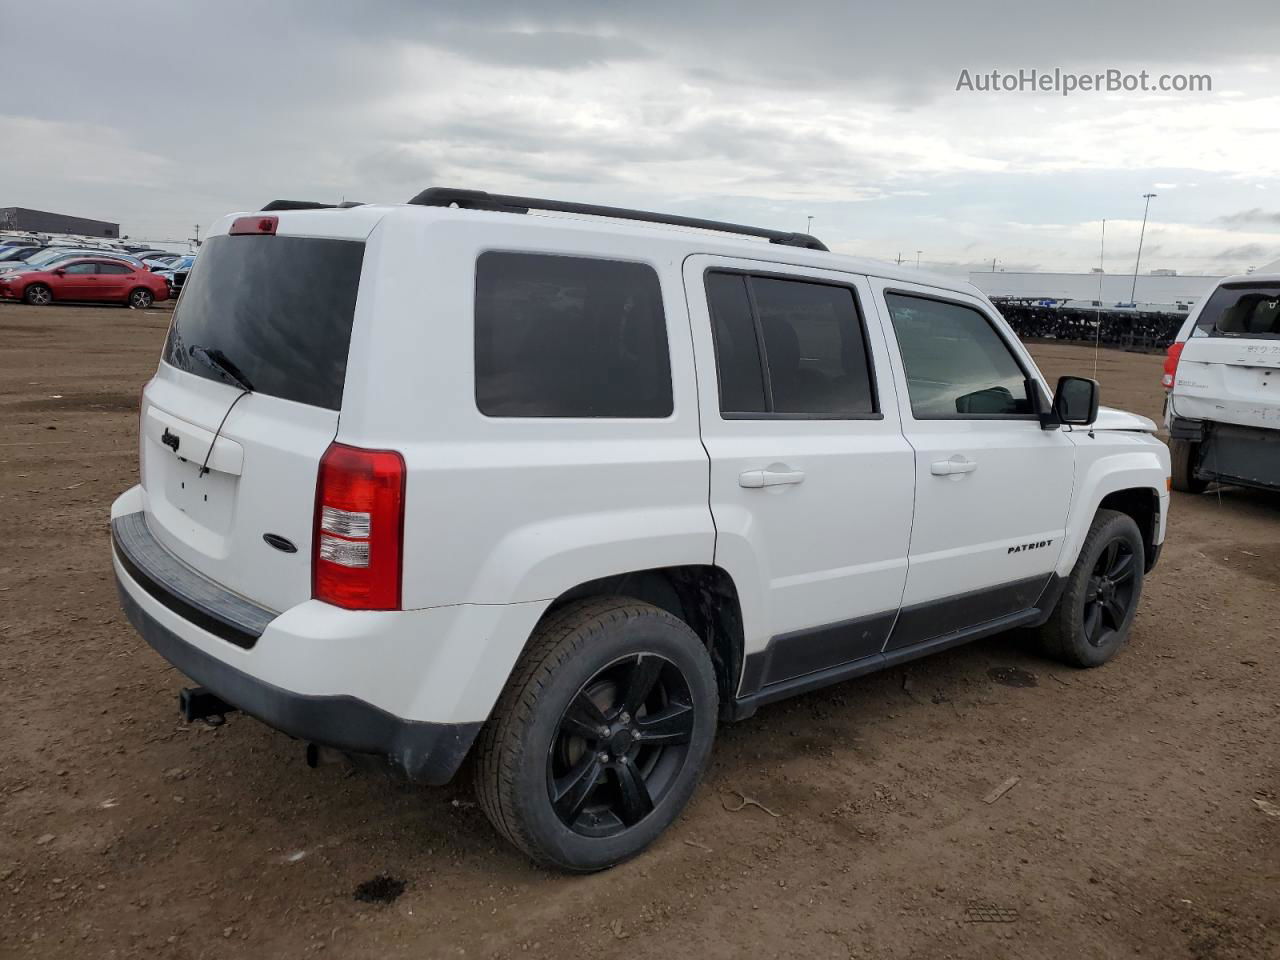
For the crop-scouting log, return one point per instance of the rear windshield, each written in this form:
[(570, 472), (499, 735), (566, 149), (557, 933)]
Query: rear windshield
[(279, 308), (1241, 310)]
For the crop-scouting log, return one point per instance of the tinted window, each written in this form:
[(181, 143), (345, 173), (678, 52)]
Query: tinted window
[(815, 356), (737, 352), (956, 363), (81, 268), (279, 308), (1241, 311), (114, 268), (568, 337)]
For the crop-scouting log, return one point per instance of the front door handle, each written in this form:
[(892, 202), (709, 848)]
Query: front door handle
[(957, 464), (753, 479)]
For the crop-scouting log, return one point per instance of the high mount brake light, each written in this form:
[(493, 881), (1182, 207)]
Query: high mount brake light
[(1171, 359), (254, 225), (358, 540)]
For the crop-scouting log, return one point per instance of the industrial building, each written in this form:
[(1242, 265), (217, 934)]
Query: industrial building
[(41, 221)]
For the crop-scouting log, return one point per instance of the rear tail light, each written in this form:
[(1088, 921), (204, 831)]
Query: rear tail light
[(358, 544), (1171, 363)]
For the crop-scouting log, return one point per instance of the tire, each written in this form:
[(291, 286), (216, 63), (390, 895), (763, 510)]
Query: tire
[(38, 295), (1183, 455), (564, 725), (1096, 610), (141, 298)]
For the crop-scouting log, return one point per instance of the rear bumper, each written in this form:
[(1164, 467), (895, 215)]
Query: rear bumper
[(1230, 453), (423, 751), (225, 644)]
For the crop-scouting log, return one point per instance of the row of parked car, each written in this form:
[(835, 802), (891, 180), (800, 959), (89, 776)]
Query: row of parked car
[(40, 273)]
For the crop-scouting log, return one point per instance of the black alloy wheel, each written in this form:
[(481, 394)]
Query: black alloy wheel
[(620, 745), (1109, 592), (600, 735), (1100, 596)]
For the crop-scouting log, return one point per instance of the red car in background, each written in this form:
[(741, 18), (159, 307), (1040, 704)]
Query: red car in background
[(86, 280)]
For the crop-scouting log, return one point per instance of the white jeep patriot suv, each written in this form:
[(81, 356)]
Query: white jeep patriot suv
[(563, 487)]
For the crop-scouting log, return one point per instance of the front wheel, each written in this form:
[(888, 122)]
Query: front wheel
[(601, 735), (141, 299), (1096, 610), (38, 295)]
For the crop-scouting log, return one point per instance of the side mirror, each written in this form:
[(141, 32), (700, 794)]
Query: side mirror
[(59, 272), (1076, 401)]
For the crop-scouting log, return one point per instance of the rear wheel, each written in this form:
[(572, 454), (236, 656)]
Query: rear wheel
[(601, 735), (1096, 610), (38, 295), (141, 298), (1183, 455)]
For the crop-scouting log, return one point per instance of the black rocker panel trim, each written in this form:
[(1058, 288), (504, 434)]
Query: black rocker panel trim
[(937, 618), (779, 671), (801, 652)]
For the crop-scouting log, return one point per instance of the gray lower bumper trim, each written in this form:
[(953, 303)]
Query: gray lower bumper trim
[(185, 591), (424, 752)]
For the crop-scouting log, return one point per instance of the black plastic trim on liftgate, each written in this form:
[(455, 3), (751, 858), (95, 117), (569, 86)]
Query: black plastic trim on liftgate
[(502, 203)]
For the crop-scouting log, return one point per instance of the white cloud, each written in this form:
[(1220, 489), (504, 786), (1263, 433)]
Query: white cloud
[(746, 112)]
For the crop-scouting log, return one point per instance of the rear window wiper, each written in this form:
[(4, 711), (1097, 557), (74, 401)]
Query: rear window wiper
[(218, 362)]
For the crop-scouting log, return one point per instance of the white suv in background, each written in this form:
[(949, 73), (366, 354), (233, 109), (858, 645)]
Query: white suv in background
[(1222, 374), (564, 492)]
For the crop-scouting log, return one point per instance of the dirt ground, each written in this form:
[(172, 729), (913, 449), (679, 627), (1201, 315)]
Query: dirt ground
[(1133, 829)]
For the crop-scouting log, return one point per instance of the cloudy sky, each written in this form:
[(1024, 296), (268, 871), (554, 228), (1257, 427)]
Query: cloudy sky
[(163, 116)]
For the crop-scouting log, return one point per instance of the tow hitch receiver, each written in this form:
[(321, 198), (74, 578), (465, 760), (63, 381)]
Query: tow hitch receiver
[(197, 703)]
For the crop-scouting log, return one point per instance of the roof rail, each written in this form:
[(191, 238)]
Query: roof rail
[(480, 200), (309, 205)]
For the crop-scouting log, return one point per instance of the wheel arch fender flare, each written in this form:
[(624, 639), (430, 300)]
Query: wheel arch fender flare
[(1139, 474)]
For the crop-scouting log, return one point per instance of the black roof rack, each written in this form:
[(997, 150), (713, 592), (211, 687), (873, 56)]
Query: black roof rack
[(309, 205), (480, 200)]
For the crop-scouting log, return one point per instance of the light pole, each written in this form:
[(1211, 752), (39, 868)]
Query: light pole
[(808, 227), (917, 259), (1133, 292)]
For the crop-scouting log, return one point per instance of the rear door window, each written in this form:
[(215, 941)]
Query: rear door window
[(562, 336), (1241, 310), (117, 269), (789, 347), (279, 308)]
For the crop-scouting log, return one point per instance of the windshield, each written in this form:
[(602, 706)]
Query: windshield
[(48, 256), (279, 308)]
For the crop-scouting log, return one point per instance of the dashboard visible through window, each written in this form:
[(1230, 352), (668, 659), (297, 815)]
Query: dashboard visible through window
[(957, 365)]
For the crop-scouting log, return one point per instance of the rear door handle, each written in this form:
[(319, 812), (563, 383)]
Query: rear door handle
[(957, 464), (753, 479)]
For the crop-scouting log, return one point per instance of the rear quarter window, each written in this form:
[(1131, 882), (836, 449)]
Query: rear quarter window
[(563, 336)]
